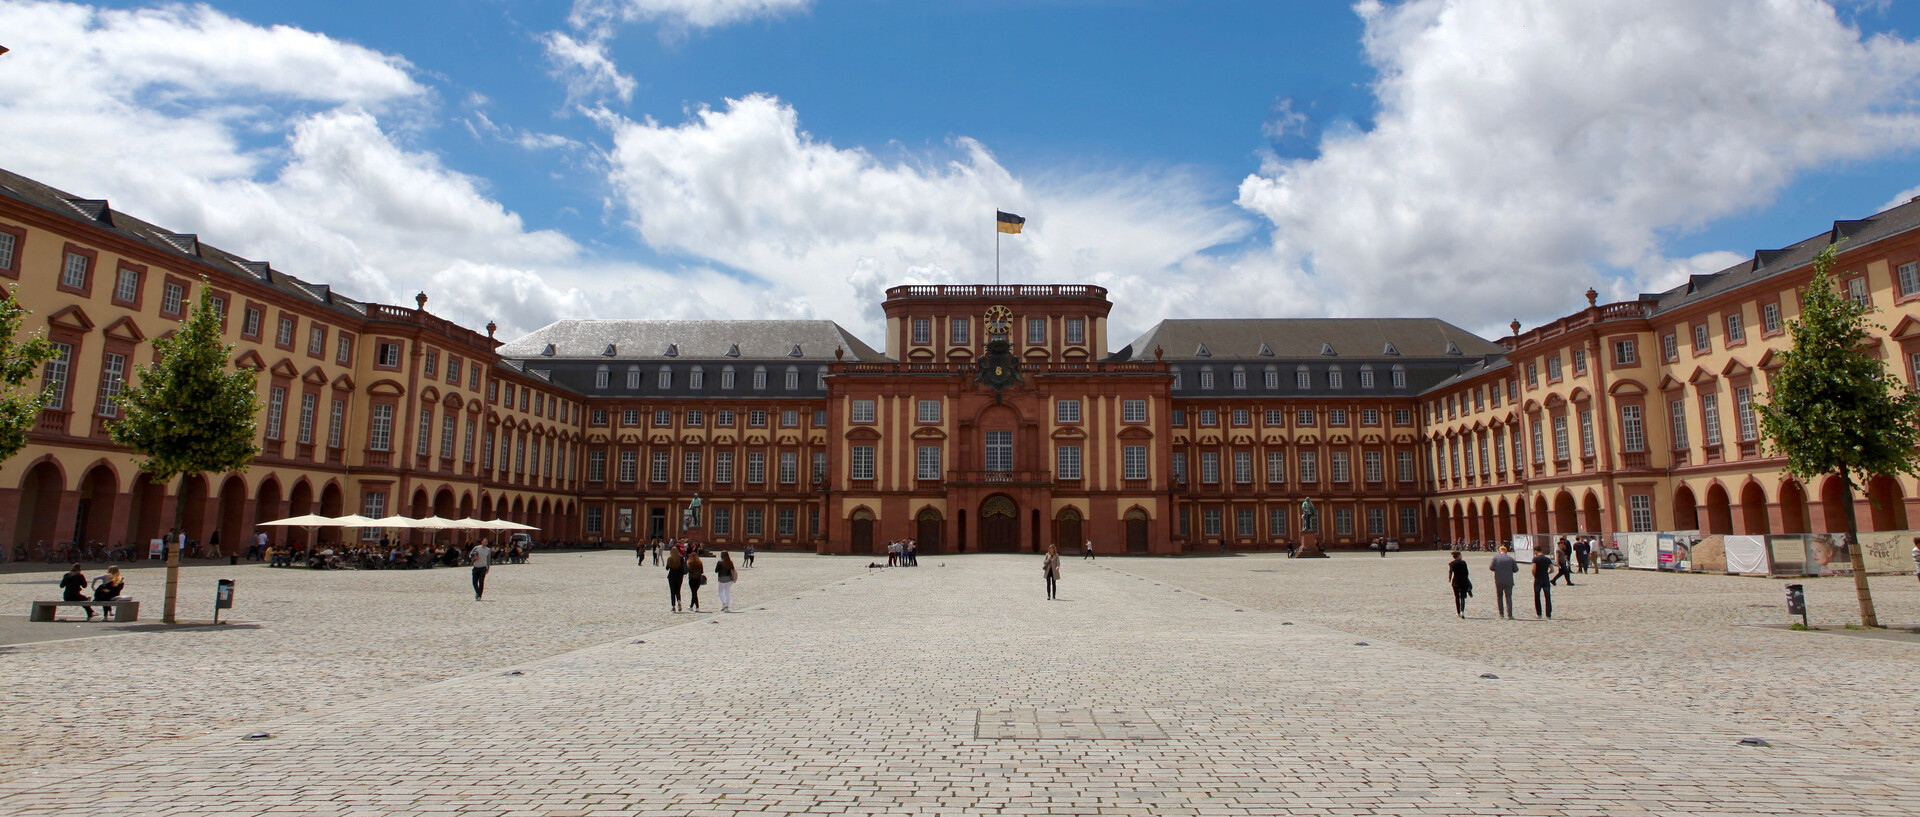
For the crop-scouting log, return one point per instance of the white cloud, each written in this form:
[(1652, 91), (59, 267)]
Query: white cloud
[(831, 227), (1527, 149), (594, 14), (586, 69)]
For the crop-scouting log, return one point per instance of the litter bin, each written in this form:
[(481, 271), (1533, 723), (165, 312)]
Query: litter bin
[(222, 598), (1797, 602)]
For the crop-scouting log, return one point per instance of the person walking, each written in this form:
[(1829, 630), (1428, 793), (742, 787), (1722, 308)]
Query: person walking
[(482, 558), (724, 575), (676, 571), (1086, 550), (749, 556), (1583, 554), (74, 587), (1051, 567), (1503, 567), (1916, 556), (1462, 584), (1542, 585), (696, 576), (1563, 557)]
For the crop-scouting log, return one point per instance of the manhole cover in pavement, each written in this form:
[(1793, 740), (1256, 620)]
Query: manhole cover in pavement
[(1074, 723)]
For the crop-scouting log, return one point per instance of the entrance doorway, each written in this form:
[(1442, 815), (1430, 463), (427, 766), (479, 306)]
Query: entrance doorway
[(863, 531), (927, 532), (1066, 530), (657, 523), (1136, 531), (999, 526)]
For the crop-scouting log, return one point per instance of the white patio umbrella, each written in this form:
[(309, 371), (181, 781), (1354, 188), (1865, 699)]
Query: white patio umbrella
[(309, 522), (398, 522)]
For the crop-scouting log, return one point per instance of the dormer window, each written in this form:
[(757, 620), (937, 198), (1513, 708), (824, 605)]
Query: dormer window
[(1206, 378), (1326, 349), (548, 352), (1265, 350), (673, 350), (601, 376), (610, 352), (666, 378), (1453, 348), (734, 350), (1390, 349), (796, 351), (1202, 351)]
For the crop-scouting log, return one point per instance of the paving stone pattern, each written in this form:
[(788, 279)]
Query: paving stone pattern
[(866, 696)]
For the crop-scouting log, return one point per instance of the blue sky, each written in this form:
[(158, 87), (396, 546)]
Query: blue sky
[(525, 161)]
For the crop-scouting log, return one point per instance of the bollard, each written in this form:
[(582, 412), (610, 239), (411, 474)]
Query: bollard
[(222, 598), (1797, 602)]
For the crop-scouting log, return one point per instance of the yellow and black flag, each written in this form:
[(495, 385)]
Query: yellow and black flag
[(1010, 223)]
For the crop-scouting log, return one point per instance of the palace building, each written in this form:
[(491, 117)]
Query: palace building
[(992, 418)]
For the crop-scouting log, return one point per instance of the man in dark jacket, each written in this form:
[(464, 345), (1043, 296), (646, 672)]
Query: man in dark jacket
[(1462, 584), (1503, 568), (1542, 585)]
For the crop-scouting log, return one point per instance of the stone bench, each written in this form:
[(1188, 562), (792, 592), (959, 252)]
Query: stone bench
[(123, 610)]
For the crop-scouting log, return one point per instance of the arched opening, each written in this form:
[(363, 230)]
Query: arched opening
[(1753, 510), (233, 518), (1793, 507), (145, 519), (333, 502), (1489, 530), (266, 508), (1520, 516), (444, 508), (40, 491), (99, 496), (927, 528), (1889, 505), (466, 507), (861, 526), (999, 525), (1686, 510), (1445, 524), (1473, 524), (299, 503), (1066, 530), (1833, 507), (1719, 511), (1541, 522), (193, 521), (1565, 516), (486, 506), (1590, 514), (1136, 520), (1505, 520)]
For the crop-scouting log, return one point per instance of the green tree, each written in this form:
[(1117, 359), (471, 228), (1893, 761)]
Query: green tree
[(189, 413), (20, 360), (1835, 409)]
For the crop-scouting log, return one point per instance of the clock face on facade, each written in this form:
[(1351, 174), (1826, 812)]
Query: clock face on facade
[(999, 320)]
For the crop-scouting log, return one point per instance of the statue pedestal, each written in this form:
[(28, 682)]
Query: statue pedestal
[(1309, 547)]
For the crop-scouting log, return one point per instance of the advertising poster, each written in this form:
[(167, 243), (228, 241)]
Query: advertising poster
[(1644, 553), (1828, 556), (1789, 555), (1746, 555), (1888, 551)]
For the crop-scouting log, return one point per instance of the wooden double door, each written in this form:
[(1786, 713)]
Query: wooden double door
[(999, 525)]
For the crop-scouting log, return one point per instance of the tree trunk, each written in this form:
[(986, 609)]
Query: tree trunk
[(173, 551), (1855, 554)]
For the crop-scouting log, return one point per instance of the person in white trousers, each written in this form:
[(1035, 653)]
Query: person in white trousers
[(724, 575)]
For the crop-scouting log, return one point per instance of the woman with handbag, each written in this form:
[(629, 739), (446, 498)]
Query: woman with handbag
[(724, 575), (696, 576), (676, 571), (1051, 567)]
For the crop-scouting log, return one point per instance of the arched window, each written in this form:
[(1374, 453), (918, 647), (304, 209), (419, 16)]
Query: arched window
[(1206, 377), (601, 376), (696, 378), (1272, 378), (1176, 377), (759, 377), (793, 378), (633, 378), (820, 378), (726, 377), (666, 378), (1240, 377)]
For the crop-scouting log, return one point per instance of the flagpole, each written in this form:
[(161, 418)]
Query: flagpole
[(996, 249)]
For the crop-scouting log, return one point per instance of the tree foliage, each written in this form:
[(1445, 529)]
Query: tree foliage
[(20, 361), (1833, 407), (191, 412)]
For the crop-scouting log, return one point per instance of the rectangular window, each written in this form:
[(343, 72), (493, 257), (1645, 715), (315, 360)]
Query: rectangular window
[(1303, 417), (1375, 469), (1670, 347), (1178, 418), (1369, 417), (1710, 414), (1333, 379), (1302, 380), (629, 466), (662, 465), (723, 418), (1134, 461), (1376, 521), (722, 521), (1243, 522), (1553, 368), (819, 465), (1239, 379), (793, 379), (1403, 463), (757, 418), (1336, 417), (1209, 417), (380, 435), (1586, 434), (1276, 467), (1639, 513), (8, 244), (336, 423), (1276, 521), (596, 521), (308, 405), (1271, 379), (756, 467), (957, 334), (1210, 467), (1343, 521), (1499, 452), (999, 451), (596, 466), (448, 430), (426, 432), (284, 336), (1633, 432), (1403, 417), (863, 461), (1770, 317), (863, 411), (783, 521), (1274, 417), (1243, 467), (467, 454), (696, 379), (723, 467), (1066, 411), (926, 462), (690, 467), (250, 323), (1067, 462), (1701, 342), (113, 373), (1579, 361), (789, 419), (1749, 421), (1736, 328), (74, 274), (372, 506), (1036, 330), (1206, 378), (1533, 376), (928, 411), (662, 418), (1561, 448), (666, 378), (126, 288), (1133, 411), (1242, 418), (1539, 446), (1077, 331), (789, 467), (755, 522), (453, 370), (1857, 290), (1409, 522), (1309, 467), (922, 330), (1342, 468), (276, 412), (486, 463), (1210, 521), (1179, 466), (388, 355), (1366, 378), (1399, 378), (695, 418), (1623, 353)]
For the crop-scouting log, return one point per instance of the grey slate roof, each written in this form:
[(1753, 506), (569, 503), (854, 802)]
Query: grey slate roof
[(186, 246), (1306, 339), (696, 340)]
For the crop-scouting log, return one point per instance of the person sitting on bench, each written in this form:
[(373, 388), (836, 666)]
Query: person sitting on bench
[(108, 588), (74, 585)]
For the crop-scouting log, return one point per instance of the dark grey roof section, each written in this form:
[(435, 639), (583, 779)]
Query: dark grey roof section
[(1472, 370), (1768, 263), (670, 339), (1304, 338), (187, 246)]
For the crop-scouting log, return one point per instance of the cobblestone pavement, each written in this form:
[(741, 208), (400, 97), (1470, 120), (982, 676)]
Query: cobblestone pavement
[(1683, 640), (960, 690), (318, 639)]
